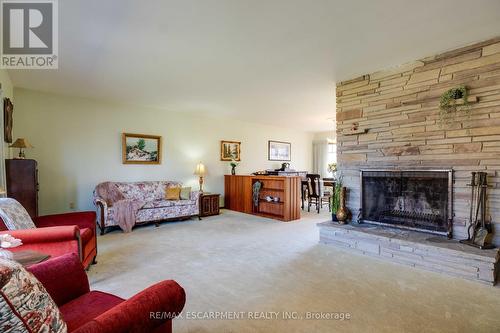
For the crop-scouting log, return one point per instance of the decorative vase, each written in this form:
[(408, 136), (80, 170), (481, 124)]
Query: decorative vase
[(233, 170), (343, 212)]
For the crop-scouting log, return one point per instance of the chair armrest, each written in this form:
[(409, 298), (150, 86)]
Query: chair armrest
[(45, 235), (81, 219), (63, 277), (144, 312)]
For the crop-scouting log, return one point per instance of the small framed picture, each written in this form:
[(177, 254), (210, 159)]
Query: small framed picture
[(279, 151), (8, 109), (141, 149), (230, 150)]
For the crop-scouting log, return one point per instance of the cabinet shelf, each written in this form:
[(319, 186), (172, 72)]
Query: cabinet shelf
[(272, 202), (272, 189)]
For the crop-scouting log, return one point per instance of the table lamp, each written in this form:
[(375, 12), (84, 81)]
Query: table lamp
[(200, 171), (21, 143)]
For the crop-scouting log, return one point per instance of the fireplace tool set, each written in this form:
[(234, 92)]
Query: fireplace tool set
[(479, 231)]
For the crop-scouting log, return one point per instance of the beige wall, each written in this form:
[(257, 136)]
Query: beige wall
[(78, 144), (399, 108), (7, 87)]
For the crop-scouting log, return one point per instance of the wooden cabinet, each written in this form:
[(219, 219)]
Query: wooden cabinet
[(238, 195), (22, 183), (209, 204)]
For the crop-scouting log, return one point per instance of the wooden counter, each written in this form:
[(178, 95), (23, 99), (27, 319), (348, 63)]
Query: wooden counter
[(238, 196)]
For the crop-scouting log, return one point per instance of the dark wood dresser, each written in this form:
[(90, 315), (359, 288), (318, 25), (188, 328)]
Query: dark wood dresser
[(22, 183), (209, 204)]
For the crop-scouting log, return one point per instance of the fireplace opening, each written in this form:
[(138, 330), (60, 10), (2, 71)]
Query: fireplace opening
[(416, 200)]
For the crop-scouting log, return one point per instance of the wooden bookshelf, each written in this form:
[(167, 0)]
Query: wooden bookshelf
[(238, 196)]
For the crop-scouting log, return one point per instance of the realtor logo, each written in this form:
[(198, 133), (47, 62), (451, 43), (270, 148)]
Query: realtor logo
[(29, 34)]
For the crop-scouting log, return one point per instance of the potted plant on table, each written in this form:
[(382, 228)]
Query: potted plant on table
[(233, 165)]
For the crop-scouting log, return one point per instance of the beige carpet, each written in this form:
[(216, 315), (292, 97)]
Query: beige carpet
[(236, 262)]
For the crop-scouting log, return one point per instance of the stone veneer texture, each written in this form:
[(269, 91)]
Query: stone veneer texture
[(400, 109)]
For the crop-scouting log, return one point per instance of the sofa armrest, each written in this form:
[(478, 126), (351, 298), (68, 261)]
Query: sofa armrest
[(45, 235), (63, 277), (81, 219), (102, 212), (195, 195), (144, 312)]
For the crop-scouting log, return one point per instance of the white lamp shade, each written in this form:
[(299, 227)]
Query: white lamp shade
[(200, 170)]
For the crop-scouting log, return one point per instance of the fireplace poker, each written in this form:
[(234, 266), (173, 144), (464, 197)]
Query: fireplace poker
[(481, 235), (473, 189)]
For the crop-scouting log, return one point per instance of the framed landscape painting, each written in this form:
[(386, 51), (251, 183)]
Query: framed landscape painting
[(230, 150), (279, 151), (141, 149)]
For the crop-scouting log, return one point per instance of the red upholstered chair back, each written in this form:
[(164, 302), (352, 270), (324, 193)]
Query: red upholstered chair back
[(3, 227)]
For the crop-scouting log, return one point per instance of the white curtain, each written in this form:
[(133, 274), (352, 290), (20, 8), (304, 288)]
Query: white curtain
[(320, 158)]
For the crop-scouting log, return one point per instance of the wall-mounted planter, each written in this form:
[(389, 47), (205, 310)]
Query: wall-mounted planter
[(461, 101)]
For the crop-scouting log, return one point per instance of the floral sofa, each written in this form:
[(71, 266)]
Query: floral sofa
[(155, 208)]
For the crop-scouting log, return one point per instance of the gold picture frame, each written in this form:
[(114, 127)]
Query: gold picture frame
[(230, 150), (141, 148)]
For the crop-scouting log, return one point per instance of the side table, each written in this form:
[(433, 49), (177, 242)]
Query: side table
[(209, 204)]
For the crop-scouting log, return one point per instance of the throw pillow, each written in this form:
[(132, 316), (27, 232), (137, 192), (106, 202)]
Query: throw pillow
[(25, 305), (185, 193), (14, 215), (172, 193)]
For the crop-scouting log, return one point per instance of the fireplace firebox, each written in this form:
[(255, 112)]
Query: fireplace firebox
[(418, 200)]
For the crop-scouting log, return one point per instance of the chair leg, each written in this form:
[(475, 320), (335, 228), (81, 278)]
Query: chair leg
[(308, 205), (94, 261)]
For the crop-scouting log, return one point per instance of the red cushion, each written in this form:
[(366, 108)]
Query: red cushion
[(87, 307)]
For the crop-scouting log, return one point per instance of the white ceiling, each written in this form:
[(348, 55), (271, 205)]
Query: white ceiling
[(270, 61)]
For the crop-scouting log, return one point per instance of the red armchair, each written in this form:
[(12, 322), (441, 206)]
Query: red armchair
[(85, 311), (60, 234)]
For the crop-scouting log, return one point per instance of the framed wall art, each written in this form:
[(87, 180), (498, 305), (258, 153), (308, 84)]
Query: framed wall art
[(279, 151), (8, 110), (230, 150), (141, 149)]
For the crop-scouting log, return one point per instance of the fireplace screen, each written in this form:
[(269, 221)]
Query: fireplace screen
[(416, 200)]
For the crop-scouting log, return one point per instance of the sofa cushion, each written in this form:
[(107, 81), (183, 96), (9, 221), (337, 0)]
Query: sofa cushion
[(185, 193), (167, 203), (25, 305), (14, 215), (172, 193), (87, 307)]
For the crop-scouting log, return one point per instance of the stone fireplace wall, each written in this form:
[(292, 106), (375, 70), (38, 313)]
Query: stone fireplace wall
[(399, 110)]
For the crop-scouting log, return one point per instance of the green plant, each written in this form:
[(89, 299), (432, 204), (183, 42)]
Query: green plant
[(332, 168), (448, 104), (336, 195), (141, 144)]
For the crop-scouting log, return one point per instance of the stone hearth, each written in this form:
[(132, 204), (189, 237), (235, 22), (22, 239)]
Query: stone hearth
[(415, 249)]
